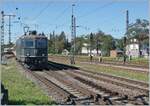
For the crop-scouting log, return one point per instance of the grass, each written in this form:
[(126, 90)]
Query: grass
[(115, 71), (22, 91), (135, 61), (105, 69)]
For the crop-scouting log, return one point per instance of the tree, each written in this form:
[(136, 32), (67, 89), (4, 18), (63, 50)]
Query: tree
[(51, 44), (119, 43), (79, 44), (139, 29)]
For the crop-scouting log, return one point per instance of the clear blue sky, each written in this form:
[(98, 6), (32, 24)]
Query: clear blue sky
[(105, 15)]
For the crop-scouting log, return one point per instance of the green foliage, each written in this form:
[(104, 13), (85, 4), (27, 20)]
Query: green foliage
[(103, 42), (80, 62), (79, 44), (119, 43), (57, 43), (21, 91), (115, 71), (138, 29), (99, 40)]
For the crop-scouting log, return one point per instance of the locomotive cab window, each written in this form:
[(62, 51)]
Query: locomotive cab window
[(28, 43)]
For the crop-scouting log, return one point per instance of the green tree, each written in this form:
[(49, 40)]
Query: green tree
[(79, 44), (139, 29), (119, 43)]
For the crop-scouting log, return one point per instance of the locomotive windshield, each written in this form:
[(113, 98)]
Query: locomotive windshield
[(41, 43), (28, 43)]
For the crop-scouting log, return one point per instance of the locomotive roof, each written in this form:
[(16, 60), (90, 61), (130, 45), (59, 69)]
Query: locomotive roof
[(32, 36)]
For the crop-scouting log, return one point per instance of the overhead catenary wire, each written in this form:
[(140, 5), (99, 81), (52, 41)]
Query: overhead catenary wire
[(42, 10), (96, 9), (62, 13), (59, 17)]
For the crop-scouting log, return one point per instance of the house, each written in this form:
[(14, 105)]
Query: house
[(116, 53), (132, 48), (65, 52), (86, 50), (144, 51), (136, 49)]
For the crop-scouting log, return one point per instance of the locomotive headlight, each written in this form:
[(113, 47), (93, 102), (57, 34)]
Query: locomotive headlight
[(43, 54), (28, 54)]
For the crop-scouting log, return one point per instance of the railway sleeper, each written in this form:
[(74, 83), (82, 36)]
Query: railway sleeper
[(83, 98), (115, 100), (88, 100), (141, 99)]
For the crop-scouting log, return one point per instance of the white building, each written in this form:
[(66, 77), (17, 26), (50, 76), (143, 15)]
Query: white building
[(65, 52), (86, 50), (132, 49)]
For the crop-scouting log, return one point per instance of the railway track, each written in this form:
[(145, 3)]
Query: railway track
[(111, 62), (116, 80), (60, 95), (122, 64), (84, 97), (104, 75), (124, 86), (63, 92), (96, 96), (70, 85), (134, 69)]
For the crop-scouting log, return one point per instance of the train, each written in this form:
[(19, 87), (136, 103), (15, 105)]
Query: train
[(32, 50)]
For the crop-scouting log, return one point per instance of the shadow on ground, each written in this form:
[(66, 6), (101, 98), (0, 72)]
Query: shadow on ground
[(24, 102), (59, 66)]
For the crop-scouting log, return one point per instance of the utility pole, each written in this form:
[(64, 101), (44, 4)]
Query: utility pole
[(2, 27), (91, 42), (2, 32), (73, 32), (54, 41), (127, 21), (97, 45), (9, 27), (126, 35), (74, 43)]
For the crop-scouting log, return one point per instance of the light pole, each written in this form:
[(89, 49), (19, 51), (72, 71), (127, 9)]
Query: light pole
[(73, 32)]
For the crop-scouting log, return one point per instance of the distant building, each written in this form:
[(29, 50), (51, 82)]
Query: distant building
[(134, 49), (116, 53), (144, 51), (65, 52), (86, 50)]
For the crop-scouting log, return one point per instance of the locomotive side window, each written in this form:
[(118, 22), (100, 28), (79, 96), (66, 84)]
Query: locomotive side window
[(28, 43)]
